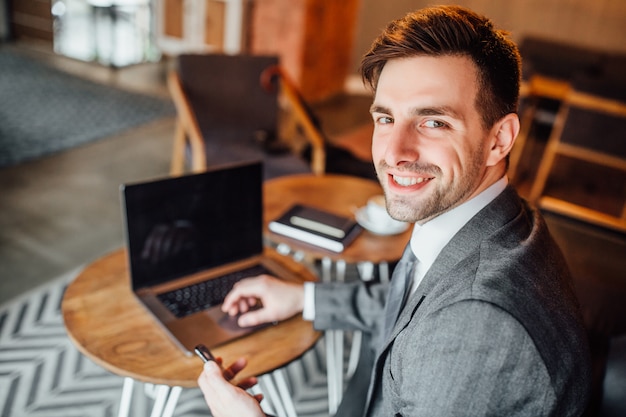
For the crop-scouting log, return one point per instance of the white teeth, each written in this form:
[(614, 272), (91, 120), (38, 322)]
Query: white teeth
[(408, 181)]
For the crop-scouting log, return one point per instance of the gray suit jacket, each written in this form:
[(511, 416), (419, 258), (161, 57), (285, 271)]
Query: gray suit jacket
[(493, 329)]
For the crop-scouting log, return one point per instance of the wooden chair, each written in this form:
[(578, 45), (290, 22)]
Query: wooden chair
[(590, 131), (240, 107), (228, 110)]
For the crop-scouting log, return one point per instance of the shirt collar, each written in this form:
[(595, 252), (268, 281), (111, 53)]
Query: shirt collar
[(429, 239)]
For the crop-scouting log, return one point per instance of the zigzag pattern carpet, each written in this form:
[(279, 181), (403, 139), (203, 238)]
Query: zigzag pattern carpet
[(43, 375)]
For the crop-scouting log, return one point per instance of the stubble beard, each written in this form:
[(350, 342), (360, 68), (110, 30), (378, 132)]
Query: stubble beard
[(440, 197)]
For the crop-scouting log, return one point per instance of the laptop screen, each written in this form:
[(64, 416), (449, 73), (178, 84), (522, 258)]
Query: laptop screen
[(182, 225)]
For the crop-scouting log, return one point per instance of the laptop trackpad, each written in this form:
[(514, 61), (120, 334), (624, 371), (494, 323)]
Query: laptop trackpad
[(229, 323)]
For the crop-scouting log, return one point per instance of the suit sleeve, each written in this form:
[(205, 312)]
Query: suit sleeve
[(349, 306), (469, 358)]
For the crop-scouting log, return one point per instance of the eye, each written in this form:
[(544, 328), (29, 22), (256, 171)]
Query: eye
[(383, 120), (434, 124)]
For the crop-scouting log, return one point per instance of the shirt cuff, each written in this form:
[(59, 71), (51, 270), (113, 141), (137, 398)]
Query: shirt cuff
[(308, 311)]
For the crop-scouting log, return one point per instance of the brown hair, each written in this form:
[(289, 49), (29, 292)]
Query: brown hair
[(454, 30)]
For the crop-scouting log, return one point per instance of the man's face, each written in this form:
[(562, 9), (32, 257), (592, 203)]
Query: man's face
[(429, 146)]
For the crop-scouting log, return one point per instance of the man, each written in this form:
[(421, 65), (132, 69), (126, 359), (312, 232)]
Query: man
[(488, 324)]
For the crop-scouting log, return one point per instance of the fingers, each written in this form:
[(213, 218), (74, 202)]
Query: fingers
[(236, 299), (225, 399), (246, 294), (248, 383), (256, 317), (213, 376), (230, 372), (235, 368), (246, 304), (279, 299), (212, 371)]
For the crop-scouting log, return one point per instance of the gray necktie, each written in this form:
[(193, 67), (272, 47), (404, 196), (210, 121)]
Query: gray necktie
[(399, 289)]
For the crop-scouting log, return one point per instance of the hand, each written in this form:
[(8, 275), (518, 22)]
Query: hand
[(225, 399), (279, 299)]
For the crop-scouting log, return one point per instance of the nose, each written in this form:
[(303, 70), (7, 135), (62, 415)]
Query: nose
[(398, 145)]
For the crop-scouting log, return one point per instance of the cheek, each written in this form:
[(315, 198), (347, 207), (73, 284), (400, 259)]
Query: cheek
[(470, 161), (446, 158), (378, 149)]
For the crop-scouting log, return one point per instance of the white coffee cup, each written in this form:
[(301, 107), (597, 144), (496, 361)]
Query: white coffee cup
[(376, 211)]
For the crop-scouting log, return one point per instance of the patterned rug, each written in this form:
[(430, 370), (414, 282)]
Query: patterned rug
[(44, 110), (43, 375)]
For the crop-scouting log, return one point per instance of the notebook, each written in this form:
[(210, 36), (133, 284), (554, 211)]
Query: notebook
[(192, 237)]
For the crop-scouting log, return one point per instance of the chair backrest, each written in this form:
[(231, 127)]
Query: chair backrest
[(226, 92), (558, 59), (596, 117), (228, 109), (614, 67)]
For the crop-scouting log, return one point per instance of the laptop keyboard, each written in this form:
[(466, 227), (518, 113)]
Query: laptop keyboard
[(202, 295)]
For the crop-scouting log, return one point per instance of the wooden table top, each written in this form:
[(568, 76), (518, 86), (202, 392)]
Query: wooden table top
[(340, 194), (109, 325)]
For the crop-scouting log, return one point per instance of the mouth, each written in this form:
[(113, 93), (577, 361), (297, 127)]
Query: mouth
[(409, 181)]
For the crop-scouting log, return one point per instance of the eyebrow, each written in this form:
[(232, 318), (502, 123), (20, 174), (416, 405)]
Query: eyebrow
[(378, 109), (421, 111)]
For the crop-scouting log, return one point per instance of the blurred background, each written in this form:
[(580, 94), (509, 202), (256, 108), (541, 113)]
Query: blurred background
[(61, 211)]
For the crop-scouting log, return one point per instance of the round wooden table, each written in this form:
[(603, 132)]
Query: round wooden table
[(109, 325)]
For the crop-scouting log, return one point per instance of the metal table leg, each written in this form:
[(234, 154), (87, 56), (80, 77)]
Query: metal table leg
[(329, 337), (274, 388), (165, 398), (127, 395)]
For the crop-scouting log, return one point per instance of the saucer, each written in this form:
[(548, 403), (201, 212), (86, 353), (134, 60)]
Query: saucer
[(392, 228)]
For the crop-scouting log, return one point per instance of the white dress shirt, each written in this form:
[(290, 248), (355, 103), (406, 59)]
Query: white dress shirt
[(428, 239)]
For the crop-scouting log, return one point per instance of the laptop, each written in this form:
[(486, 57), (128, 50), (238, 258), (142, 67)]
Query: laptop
[(189, 239)]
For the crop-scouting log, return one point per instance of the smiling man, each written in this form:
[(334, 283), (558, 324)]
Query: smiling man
[(431, 149), (479, 318)]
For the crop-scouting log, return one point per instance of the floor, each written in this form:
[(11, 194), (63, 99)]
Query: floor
[(63, 211)]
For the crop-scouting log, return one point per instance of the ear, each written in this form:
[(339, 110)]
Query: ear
[(503, 137)]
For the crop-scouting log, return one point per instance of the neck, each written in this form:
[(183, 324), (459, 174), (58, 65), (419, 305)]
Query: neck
[(491, 175)]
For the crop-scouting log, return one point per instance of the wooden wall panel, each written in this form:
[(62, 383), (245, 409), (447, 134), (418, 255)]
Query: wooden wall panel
[(32, 19), (314, 39), (328, 40), (276, 26)]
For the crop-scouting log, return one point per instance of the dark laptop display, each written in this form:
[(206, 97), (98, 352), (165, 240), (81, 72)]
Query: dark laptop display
[(179, 226), (189, 240)]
